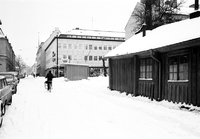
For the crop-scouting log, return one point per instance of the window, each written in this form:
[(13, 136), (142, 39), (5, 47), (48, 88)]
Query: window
[(64, 56), (75, 46), (59, 45), (105, 47), (85, 58), (95, 47), (90, 47), (64, 46), (146, 68), (109, 48), (178, 68), (69, 57), (95, 58), (90, 58), (70, 46), (100, 58), (86, 46), (80, 46), (100, 47)]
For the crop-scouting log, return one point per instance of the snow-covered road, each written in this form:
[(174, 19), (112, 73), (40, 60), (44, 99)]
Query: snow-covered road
[(87, 109)]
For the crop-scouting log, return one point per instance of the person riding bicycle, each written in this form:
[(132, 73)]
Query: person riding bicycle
[(49, 77)]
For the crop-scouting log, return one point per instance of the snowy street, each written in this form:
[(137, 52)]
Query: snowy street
[(87, 109)]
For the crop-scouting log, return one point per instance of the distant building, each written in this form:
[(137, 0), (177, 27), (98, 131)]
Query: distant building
[(41, 54), (133, 26), (33, 70), (40, 68), (7, 55), (81, 46)]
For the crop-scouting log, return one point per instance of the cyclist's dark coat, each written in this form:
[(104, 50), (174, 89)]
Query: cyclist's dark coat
[(49, 76)]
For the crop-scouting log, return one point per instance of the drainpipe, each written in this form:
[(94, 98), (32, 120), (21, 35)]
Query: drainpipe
[(104, 67), (159, 74)]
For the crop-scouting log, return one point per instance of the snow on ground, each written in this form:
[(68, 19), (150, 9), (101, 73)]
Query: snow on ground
[(87, 109)]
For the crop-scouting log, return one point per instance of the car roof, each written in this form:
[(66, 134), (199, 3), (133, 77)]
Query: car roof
[(14, 72), (6, 73), (2, 77)]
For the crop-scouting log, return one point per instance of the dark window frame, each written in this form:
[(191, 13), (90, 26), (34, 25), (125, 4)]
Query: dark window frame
[(146, 68), (178, 68)]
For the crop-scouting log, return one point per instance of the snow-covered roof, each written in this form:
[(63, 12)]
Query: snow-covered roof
[(1, 34), (75, 64), (162, 36), (87, 32)]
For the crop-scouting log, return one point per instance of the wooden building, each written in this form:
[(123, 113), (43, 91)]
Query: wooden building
[(75, 71), (163, 65)]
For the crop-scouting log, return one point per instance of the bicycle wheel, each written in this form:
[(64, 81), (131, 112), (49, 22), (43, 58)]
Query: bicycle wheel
[(50, 86)]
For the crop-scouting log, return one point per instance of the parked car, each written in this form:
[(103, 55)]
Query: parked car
[(11, 79), (1, 115), (5, 94), (16, 75), (21, 76)]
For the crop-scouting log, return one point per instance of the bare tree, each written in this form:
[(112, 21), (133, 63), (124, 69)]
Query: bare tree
[(157, 12), (20, 63)]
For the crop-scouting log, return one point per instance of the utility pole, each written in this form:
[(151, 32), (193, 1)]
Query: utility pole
[(57, 56)]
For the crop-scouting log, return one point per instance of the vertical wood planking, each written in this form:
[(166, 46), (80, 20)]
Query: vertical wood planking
[(198, 76)]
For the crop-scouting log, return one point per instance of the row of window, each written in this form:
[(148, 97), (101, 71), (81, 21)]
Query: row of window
[(86, 46), (86, 58), (178, 68), (93, 58), (95, 37)]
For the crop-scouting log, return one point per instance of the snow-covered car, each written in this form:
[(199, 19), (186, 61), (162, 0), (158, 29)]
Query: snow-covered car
[(11, 79), (5, 94), (16, 75)]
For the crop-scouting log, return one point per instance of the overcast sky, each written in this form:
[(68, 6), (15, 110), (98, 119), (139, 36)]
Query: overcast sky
[(27, 21)]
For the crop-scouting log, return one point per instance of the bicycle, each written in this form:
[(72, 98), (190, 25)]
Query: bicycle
[(46, 85)]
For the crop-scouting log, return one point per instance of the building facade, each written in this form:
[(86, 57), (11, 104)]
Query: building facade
[(7, 55), (40, 60), (82, 47), (134, 26), (164, 65), (41, 54)]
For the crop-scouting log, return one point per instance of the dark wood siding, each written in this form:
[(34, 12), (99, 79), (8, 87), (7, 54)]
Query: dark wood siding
[(121, 74), (124, 77), (146, 89), (177, 92), (198, 76), (193, 77), (184, 91)]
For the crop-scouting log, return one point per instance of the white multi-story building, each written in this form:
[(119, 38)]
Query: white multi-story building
[(81, 46), (41, 53)]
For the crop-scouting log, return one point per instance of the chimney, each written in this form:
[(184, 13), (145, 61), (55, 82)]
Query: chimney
[(196, 4), (144, 27), (196, 7)]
